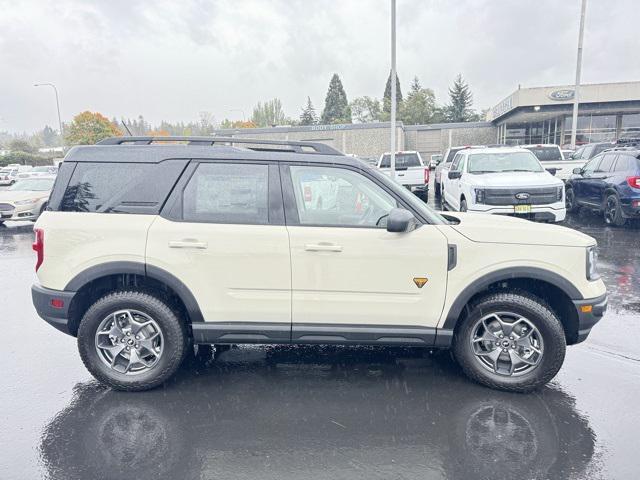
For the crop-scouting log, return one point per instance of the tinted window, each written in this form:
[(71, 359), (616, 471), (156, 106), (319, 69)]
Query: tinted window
[(591, 166), (452, 153), (546, 154), (588, 152), (227, 193), (120, 187), (607, 162), (627, 163), (339, 197), (403, 161)]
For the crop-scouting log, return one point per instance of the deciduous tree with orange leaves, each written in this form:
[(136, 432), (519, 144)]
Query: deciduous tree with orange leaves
[(88, 128)]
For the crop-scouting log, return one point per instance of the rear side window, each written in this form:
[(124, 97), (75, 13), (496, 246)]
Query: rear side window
[(227, 193), (452, 153), (546, 154), (120, 187), (627, 163)]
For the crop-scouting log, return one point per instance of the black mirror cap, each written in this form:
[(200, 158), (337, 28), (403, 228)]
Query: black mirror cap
[(454, 175), (552, 171), (577, 171), (401, 221)]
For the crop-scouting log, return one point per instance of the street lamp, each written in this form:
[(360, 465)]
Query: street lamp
[(57, 105), (576, 91), (393, 89)]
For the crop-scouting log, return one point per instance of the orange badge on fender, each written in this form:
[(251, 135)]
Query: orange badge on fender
[(420, 281)]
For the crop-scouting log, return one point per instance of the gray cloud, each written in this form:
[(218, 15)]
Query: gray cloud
[(170, 60)]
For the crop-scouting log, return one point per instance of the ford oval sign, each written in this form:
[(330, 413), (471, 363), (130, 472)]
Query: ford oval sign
[(562, 95), (522, 196)]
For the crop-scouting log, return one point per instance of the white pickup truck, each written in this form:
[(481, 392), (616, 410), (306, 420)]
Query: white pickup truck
[(411, 171), (554, 161), (506, 181)]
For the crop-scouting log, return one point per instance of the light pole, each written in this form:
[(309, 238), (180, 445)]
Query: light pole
[(576, 91), (393, 89), (57, 106)]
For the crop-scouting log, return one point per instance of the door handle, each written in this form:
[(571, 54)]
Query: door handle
[(187, 243), (322, 247)]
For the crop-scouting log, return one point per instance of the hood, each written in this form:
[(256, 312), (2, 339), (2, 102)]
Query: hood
[(17, 195), (516, 179), (487, 228)]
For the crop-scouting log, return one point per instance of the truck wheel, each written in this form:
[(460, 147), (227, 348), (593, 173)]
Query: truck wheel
[(510, 341), (613, 212), (463, 205), (570, 201), (131, 340), (436, 188)]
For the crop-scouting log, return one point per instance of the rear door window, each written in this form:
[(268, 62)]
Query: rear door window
[(627, 163), (607, 162), (103, 187), (228, 193)]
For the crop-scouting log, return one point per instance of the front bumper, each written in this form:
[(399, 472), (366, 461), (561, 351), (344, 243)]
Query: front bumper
[(590, 312), (43, 301), (550, 213), (21, 212)]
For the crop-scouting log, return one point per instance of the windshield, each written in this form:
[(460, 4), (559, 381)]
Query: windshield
[(403, 161), (504, 162), (546, 154), (33, 185)]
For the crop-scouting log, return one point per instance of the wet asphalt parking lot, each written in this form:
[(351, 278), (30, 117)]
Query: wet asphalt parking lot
[(319, 412)]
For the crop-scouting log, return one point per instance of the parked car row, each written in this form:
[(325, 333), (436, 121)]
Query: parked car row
[(26, 199), (14, 172)]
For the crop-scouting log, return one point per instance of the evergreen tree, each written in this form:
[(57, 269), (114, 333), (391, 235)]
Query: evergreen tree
[(336, 106), (461, 100), (308, 115), (386, 100), (420, 105)]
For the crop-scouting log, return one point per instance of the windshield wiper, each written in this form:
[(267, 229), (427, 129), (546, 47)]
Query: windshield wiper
[(484, 171), (520, 170)]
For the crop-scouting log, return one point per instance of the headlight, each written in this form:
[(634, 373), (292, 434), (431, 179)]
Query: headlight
[(26, 202), (592, 260), (479, 195)]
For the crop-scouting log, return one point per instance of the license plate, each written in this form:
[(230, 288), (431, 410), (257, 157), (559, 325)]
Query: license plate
[(522, 209)]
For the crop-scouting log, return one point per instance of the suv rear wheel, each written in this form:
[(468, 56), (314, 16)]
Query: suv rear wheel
[(510, 341), (131, 340)]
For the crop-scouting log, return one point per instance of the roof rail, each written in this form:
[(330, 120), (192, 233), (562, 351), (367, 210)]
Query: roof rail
[(295, 147)]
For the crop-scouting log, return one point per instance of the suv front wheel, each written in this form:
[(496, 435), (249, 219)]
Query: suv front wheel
[(510, 341), (131, 340)]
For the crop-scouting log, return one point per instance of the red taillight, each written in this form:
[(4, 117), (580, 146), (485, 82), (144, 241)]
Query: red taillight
[(57, 303), (426, 176), (38, 246), (634, 182)]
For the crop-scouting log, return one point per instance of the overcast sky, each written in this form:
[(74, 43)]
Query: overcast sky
[(171, 59)]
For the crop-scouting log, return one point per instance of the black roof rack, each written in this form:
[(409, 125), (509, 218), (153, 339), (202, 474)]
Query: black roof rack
[(293, 146)]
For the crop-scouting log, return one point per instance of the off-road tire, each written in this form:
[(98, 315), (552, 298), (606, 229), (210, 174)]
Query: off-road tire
[(537, 312), (173, 330)]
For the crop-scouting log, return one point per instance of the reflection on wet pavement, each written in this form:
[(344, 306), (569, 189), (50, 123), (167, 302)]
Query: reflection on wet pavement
[(314, 412), (321, 412)]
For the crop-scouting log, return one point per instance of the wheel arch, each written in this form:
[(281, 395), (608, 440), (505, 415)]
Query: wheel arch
[(96, 281), (552, 288)]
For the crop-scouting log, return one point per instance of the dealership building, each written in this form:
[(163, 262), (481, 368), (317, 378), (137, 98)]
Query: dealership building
[(607, 111)]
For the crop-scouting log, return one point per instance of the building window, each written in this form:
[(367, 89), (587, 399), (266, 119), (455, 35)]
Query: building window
[(591, 128), (630, 127)]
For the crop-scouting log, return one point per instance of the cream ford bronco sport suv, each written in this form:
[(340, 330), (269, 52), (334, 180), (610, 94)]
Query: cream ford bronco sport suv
[(146, 249)]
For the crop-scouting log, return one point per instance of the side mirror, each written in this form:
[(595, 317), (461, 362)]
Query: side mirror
[(552, 171), (454, 175), (577, 171), (401, 221)]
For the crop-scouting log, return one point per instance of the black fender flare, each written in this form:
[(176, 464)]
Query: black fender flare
[(139, 268), (480, 284)]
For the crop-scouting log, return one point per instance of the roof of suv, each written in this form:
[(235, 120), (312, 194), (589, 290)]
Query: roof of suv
[(157, 149)]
